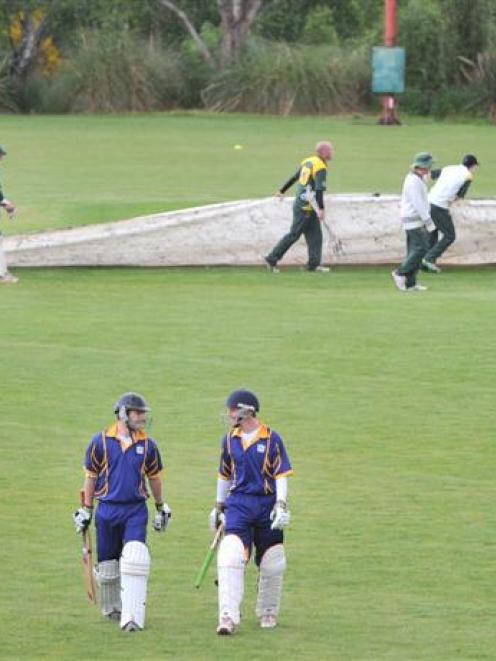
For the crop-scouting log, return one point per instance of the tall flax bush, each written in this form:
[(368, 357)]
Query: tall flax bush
[(112, 72), (289, 79), (481, 74), (118, 72)]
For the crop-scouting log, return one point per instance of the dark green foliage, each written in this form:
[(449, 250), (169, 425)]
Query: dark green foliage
[(7, 95), (285, 79), (481, 74), (349, 17), (469, 26), (111, 72), (143, 58), (284, 20), (319, 27), (439, 37), (415, 101), (420, 33), (456, 101)]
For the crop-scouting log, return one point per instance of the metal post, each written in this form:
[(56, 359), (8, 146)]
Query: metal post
[(388, 101)]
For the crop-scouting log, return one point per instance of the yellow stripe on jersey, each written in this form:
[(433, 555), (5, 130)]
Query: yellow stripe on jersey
[(309, 168), (290, 472)]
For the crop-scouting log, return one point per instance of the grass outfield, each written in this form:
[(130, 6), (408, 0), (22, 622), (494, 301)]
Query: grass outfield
[(72, 170), (385, 401)]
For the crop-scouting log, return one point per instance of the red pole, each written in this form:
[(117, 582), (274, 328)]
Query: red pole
[(388, 101), (390, 23)]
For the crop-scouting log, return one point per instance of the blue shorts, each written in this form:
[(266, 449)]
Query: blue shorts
[(117, 524), (248, 517)]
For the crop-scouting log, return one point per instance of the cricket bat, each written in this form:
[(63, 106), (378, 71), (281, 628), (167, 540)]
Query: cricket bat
[(209, 557), (87, 560)]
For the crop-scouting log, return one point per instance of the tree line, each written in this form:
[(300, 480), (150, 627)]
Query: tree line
[(278, 56)]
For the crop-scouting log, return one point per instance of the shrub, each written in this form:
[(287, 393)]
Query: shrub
[(108, 73), (283, 79), (455, 101), (7, 94), (421, 34), (481, 74), (416, 101), (319, 27)]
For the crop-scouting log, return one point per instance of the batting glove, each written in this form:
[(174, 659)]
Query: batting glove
[(82, 519), (216, 518), (280, 516), (162, 517)]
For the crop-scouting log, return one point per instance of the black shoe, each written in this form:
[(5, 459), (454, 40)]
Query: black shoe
[(270, 265), (131, 627)]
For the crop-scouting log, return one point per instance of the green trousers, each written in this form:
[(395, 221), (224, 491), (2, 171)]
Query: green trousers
[(417, 244), (444, 223), (306, 223)]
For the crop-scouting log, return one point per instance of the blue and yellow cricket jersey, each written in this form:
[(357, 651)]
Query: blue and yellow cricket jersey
[(120, 472), (253, 467)]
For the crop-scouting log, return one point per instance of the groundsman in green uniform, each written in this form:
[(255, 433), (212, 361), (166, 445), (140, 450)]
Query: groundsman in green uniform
[(5, 275), (308, 209)]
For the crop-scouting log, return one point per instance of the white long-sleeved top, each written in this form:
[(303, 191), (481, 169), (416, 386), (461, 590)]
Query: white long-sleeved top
[(414, 206), (447, 187)]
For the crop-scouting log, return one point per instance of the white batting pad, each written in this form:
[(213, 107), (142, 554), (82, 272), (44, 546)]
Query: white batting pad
[(108, 578), (270, 581), (231, 570), (135, 568)]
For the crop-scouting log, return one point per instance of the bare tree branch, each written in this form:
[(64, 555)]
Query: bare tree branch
[(202, 47), (237, 17)]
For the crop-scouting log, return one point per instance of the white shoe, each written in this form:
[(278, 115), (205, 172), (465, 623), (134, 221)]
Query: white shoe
[(430, 267), (417, 287), (268, 621), (322, 269), (8, 278), (399, 280), (226, 627), (271, 267)]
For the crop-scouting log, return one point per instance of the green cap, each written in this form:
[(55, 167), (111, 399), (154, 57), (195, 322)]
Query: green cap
[(423, 160), (2, 151)]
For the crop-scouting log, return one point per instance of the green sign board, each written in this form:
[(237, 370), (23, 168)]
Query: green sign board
[(388, 70)]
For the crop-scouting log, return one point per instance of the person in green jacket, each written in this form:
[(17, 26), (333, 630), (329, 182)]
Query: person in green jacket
[(5, 275), (308, 209)]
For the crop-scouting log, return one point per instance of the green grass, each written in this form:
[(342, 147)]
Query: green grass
[(72, 170), (385, 403)]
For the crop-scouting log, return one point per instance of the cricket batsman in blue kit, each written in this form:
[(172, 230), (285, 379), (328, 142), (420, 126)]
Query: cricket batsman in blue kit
[(117, 462), (252, 505)]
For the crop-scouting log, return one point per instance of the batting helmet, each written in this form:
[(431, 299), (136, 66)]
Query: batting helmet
[(130, 401), (243, 399)]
